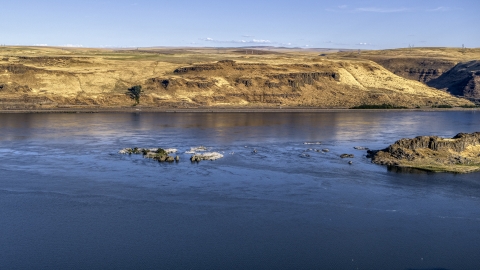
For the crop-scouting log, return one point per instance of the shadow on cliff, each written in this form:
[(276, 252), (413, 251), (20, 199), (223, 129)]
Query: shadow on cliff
[(462, 80)]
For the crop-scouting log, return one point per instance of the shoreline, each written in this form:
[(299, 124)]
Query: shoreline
[(222, 110)]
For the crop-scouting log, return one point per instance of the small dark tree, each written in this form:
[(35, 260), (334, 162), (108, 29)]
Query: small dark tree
[(135, 92)]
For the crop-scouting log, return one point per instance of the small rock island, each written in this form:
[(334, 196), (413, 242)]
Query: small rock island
[(460, 154), (163, 155), (159, 154)]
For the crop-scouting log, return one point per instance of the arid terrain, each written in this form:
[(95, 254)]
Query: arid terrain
[(35, 78), (456, 71)]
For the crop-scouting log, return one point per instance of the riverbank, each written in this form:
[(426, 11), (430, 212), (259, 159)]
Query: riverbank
[(225, 110)]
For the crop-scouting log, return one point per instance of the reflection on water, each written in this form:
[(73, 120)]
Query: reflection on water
[(69, 200), (397, 169), (227, 127)]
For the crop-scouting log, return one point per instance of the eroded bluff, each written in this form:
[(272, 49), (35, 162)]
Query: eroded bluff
[(460, 154), (231, 82), (459, 79), (462, 80), (63, 82), (422, 70)]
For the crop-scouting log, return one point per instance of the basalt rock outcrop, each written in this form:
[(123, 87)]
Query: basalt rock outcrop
[(158, 154), (176, 83), (205, 156), (325, 84), (15, 88), (460, 154), (450, 70), (422, 70)]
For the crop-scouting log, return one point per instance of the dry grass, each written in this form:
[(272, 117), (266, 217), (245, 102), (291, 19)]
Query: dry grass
[(454, 54), (82, 76)]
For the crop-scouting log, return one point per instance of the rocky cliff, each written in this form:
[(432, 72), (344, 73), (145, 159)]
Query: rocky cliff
[(461, 80), (39, 78), (422, 70), (447, 69), (324, 84), (458, 154)]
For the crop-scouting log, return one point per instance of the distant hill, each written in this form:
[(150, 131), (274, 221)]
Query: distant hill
[(36, 78)]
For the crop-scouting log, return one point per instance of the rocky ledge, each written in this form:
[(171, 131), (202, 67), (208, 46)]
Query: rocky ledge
[(460, 154)]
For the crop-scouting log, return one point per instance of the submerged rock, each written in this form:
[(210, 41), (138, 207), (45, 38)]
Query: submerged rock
[(460, 154), (194, 150), (199, 153), (347, 156), (304, 155)]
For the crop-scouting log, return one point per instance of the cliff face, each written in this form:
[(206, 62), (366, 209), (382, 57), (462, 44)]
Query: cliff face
[(458, 143), (458, 154), (446, 69), (194, 80), (422, 70), (321, 83), (462, 80)]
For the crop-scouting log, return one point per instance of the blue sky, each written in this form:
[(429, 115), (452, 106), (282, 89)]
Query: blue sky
[(366, 24)]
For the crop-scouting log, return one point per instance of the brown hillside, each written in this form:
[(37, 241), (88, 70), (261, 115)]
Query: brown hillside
[(450, 69), (33, 77)]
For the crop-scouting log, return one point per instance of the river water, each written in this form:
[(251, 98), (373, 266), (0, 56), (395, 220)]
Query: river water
[(68, 200)]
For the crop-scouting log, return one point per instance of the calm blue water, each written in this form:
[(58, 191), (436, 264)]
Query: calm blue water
[(68, 200)]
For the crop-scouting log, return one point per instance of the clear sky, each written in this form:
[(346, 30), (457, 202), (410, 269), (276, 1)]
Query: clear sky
[(369, 24)]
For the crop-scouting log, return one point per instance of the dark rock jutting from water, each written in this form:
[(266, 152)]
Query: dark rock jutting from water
[(159, 154), (460, 154)]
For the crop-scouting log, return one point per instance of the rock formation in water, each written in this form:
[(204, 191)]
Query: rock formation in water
[(199, 154), (163, 155), (460, 154), (159, 154), (206, 156)]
